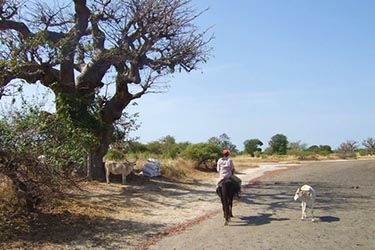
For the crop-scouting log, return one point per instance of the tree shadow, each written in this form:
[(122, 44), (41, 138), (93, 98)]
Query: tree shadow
[(66, 228), (137, 192)]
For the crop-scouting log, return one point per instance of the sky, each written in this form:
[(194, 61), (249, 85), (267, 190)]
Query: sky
[(304, 69), (301, 68)]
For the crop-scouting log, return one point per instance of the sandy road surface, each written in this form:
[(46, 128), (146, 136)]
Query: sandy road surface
[(267, 217)]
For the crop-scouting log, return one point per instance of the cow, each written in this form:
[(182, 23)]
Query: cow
[(123, 168), (306, 194), (226, 190)]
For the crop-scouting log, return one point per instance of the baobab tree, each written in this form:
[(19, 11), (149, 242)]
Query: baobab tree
[(349, 146), (71, 47), (369, 143)]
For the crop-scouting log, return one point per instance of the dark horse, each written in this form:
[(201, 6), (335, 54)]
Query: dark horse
[(226, 190)]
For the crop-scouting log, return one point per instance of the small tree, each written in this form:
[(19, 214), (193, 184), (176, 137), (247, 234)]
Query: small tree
[(325, 150), (252, 146), (169, 146), (297, 146), (369, 143), (279, 144), (314, 148), (223, 141), (298, 149), (347, 149), (322, 149)]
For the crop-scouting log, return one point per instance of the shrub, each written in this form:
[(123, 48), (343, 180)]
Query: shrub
[(347, 155), (363, 152), (203, 154), (29, 132)]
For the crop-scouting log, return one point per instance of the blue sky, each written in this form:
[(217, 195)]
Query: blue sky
[(301, 68)]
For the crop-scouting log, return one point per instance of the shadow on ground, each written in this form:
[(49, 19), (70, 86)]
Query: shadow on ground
[(260, 219)]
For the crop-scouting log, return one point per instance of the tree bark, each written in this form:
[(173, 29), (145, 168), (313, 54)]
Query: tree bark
[(97, 164)]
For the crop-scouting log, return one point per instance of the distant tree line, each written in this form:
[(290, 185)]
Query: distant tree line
[(206, 153)]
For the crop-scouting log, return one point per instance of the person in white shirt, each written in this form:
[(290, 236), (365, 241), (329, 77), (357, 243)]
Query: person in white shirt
[(225, 167)]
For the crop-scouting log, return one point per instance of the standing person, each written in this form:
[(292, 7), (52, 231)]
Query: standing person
[(225, 167)]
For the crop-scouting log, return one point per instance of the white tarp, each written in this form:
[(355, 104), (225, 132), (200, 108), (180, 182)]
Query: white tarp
[(151, 168)]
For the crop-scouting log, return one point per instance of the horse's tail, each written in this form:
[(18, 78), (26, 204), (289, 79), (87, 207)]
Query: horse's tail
[(226, 197)]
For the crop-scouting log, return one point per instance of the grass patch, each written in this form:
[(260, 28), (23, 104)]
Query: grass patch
[(172, 169)]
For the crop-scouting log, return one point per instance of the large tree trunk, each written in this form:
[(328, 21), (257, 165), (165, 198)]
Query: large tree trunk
[(96, 166)]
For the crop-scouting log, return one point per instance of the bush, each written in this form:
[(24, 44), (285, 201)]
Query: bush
[(363, 152), (30, 132), (203, 154), (347, 155)]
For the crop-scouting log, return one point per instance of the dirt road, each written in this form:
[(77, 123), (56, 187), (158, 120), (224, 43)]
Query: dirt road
[(267, 217)]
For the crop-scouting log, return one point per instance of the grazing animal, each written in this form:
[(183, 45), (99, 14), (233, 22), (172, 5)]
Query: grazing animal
[(118, 168), (226, 190), (306, 195)]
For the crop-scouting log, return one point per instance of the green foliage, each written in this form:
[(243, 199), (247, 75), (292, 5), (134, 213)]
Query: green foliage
[(166, 147), (322, 150), (303, 155), (29, 132), (346, 155), (252, 146), (223, 141), (363, 152), (314, 148), (279, 144), (136, 147), (122, 129), (169, 147), (114, 155), (203, 154), (154, 147), (326, 149), (297, 146)]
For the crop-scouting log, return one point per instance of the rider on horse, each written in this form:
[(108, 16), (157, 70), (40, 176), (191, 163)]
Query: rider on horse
[(225, 168)]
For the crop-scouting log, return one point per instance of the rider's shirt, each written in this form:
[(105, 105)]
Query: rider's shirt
[(225, 167)]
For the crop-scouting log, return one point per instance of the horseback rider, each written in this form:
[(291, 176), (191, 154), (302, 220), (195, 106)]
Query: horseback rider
[(225, 167)]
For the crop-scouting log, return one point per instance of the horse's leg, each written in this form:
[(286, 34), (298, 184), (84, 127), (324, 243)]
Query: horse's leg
[(223, 203), (222, 199), (231, 200), (230, 205)]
